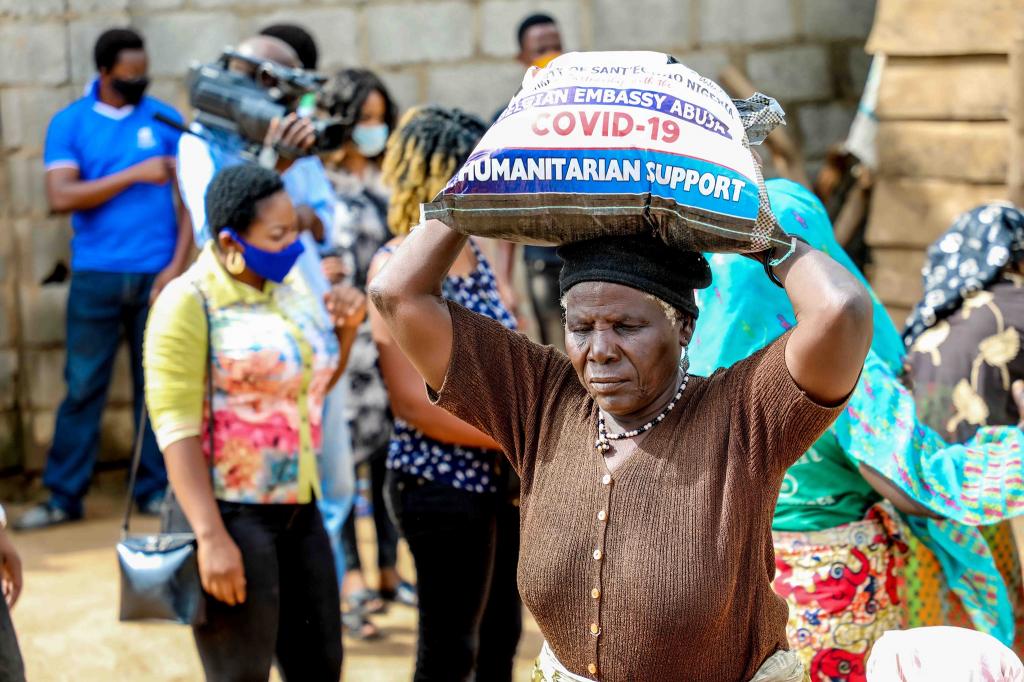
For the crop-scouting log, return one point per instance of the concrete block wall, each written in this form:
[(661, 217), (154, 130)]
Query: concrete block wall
[(808, 53)]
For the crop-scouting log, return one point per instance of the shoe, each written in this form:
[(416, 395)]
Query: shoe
[(43, 515), (153, 506)]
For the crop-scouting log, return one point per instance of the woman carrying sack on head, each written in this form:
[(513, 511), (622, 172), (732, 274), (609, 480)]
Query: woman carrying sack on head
[(647, 494), (275, 350)]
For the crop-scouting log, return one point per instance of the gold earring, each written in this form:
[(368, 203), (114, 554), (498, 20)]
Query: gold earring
[(235, 263)]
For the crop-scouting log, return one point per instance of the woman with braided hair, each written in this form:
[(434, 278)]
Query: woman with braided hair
[(359, 99), (454, 498)]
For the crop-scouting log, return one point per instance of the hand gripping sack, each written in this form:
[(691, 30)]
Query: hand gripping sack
[(614, 143)]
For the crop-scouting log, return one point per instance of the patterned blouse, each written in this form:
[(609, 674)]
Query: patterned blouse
[(413, 452), (359, 230), (274, 353), (963, 366)]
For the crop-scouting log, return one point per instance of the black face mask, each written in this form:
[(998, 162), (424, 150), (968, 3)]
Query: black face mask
[(132, 90)]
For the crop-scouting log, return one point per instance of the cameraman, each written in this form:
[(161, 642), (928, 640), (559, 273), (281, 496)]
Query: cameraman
[(200, 156)]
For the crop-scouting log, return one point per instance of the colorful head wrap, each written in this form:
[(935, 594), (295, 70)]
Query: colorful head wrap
[(967, 258)]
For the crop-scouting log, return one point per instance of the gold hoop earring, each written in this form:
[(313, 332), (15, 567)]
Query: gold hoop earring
[(235, 263)]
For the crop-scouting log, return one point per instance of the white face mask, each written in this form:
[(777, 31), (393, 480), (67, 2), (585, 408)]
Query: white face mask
[(370, 139)]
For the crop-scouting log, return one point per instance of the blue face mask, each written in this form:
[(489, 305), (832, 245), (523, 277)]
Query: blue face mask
[(370, 139), (272, 265)]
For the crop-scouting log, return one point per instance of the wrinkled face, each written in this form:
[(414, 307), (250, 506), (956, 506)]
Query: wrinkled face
[(624, 348), (538, 41)]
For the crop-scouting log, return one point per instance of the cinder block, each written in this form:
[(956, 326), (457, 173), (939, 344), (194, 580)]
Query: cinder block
[(28, 185), (33, 53), (174, 41), (121, 390), (43, 313), (211, 4), (172, 91), (832, 19), (42, 243), (93, 6), (858, 63), (8, 382), (151, 5), (26, 112), (642, 25), (950, 27), (968, 88), (822, 125), (479, 88), (44, 378), (404, 33), (11, 454), (896, 276), (30, 9), (974, 152), (37, 434), (499, 20), (746, 21), (334, 28), (405, 86), (708, 63), (912, 212), (117, 434), (791, 73), (8, 314)]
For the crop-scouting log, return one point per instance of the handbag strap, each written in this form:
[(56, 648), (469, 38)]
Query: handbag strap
[(140, 433)]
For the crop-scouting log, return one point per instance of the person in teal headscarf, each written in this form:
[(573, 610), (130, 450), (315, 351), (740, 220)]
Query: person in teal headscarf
[(839, 548)]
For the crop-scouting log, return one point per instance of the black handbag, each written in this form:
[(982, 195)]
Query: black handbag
[(160, 571)]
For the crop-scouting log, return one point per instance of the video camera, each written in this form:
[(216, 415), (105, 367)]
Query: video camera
[(236, 103)]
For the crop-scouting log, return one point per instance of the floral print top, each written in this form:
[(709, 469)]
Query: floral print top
[(413, 452), (274, 353), (963, 366)]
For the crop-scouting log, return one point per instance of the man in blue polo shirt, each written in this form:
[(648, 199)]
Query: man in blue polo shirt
[(111, 163)]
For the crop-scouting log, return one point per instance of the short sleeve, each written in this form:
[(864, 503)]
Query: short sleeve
[(778, 420), (174, 362), (502, 383), (60, 150)]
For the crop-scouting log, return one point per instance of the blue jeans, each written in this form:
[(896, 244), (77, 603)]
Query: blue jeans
[(103, 308)]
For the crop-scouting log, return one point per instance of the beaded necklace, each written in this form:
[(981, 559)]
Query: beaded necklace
[(603, 445)]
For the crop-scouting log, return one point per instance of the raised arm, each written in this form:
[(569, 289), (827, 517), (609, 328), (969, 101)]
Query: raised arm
[(409, 401), (826, 352), (407, 295)]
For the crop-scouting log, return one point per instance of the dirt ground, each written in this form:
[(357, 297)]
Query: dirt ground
[(68, 628)]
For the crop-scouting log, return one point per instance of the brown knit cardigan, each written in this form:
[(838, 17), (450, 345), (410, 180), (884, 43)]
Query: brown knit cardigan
[(662, 570)]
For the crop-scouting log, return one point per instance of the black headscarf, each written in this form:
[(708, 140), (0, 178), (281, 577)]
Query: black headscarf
[(642, 262), (969, 257)]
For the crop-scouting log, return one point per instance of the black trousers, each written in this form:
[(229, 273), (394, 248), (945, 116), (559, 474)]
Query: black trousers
[(387, 534), (465, 547), (292, 611), (12, 669)]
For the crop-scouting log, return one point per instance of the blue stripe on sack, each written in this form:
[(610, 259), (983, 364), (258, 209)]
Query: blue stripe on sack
[(729, 194)]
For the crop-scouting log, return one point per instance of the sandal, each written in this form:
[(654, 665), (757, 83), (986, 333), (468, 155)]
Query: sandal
[(366, 601), (357, 626), (404, 594)]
